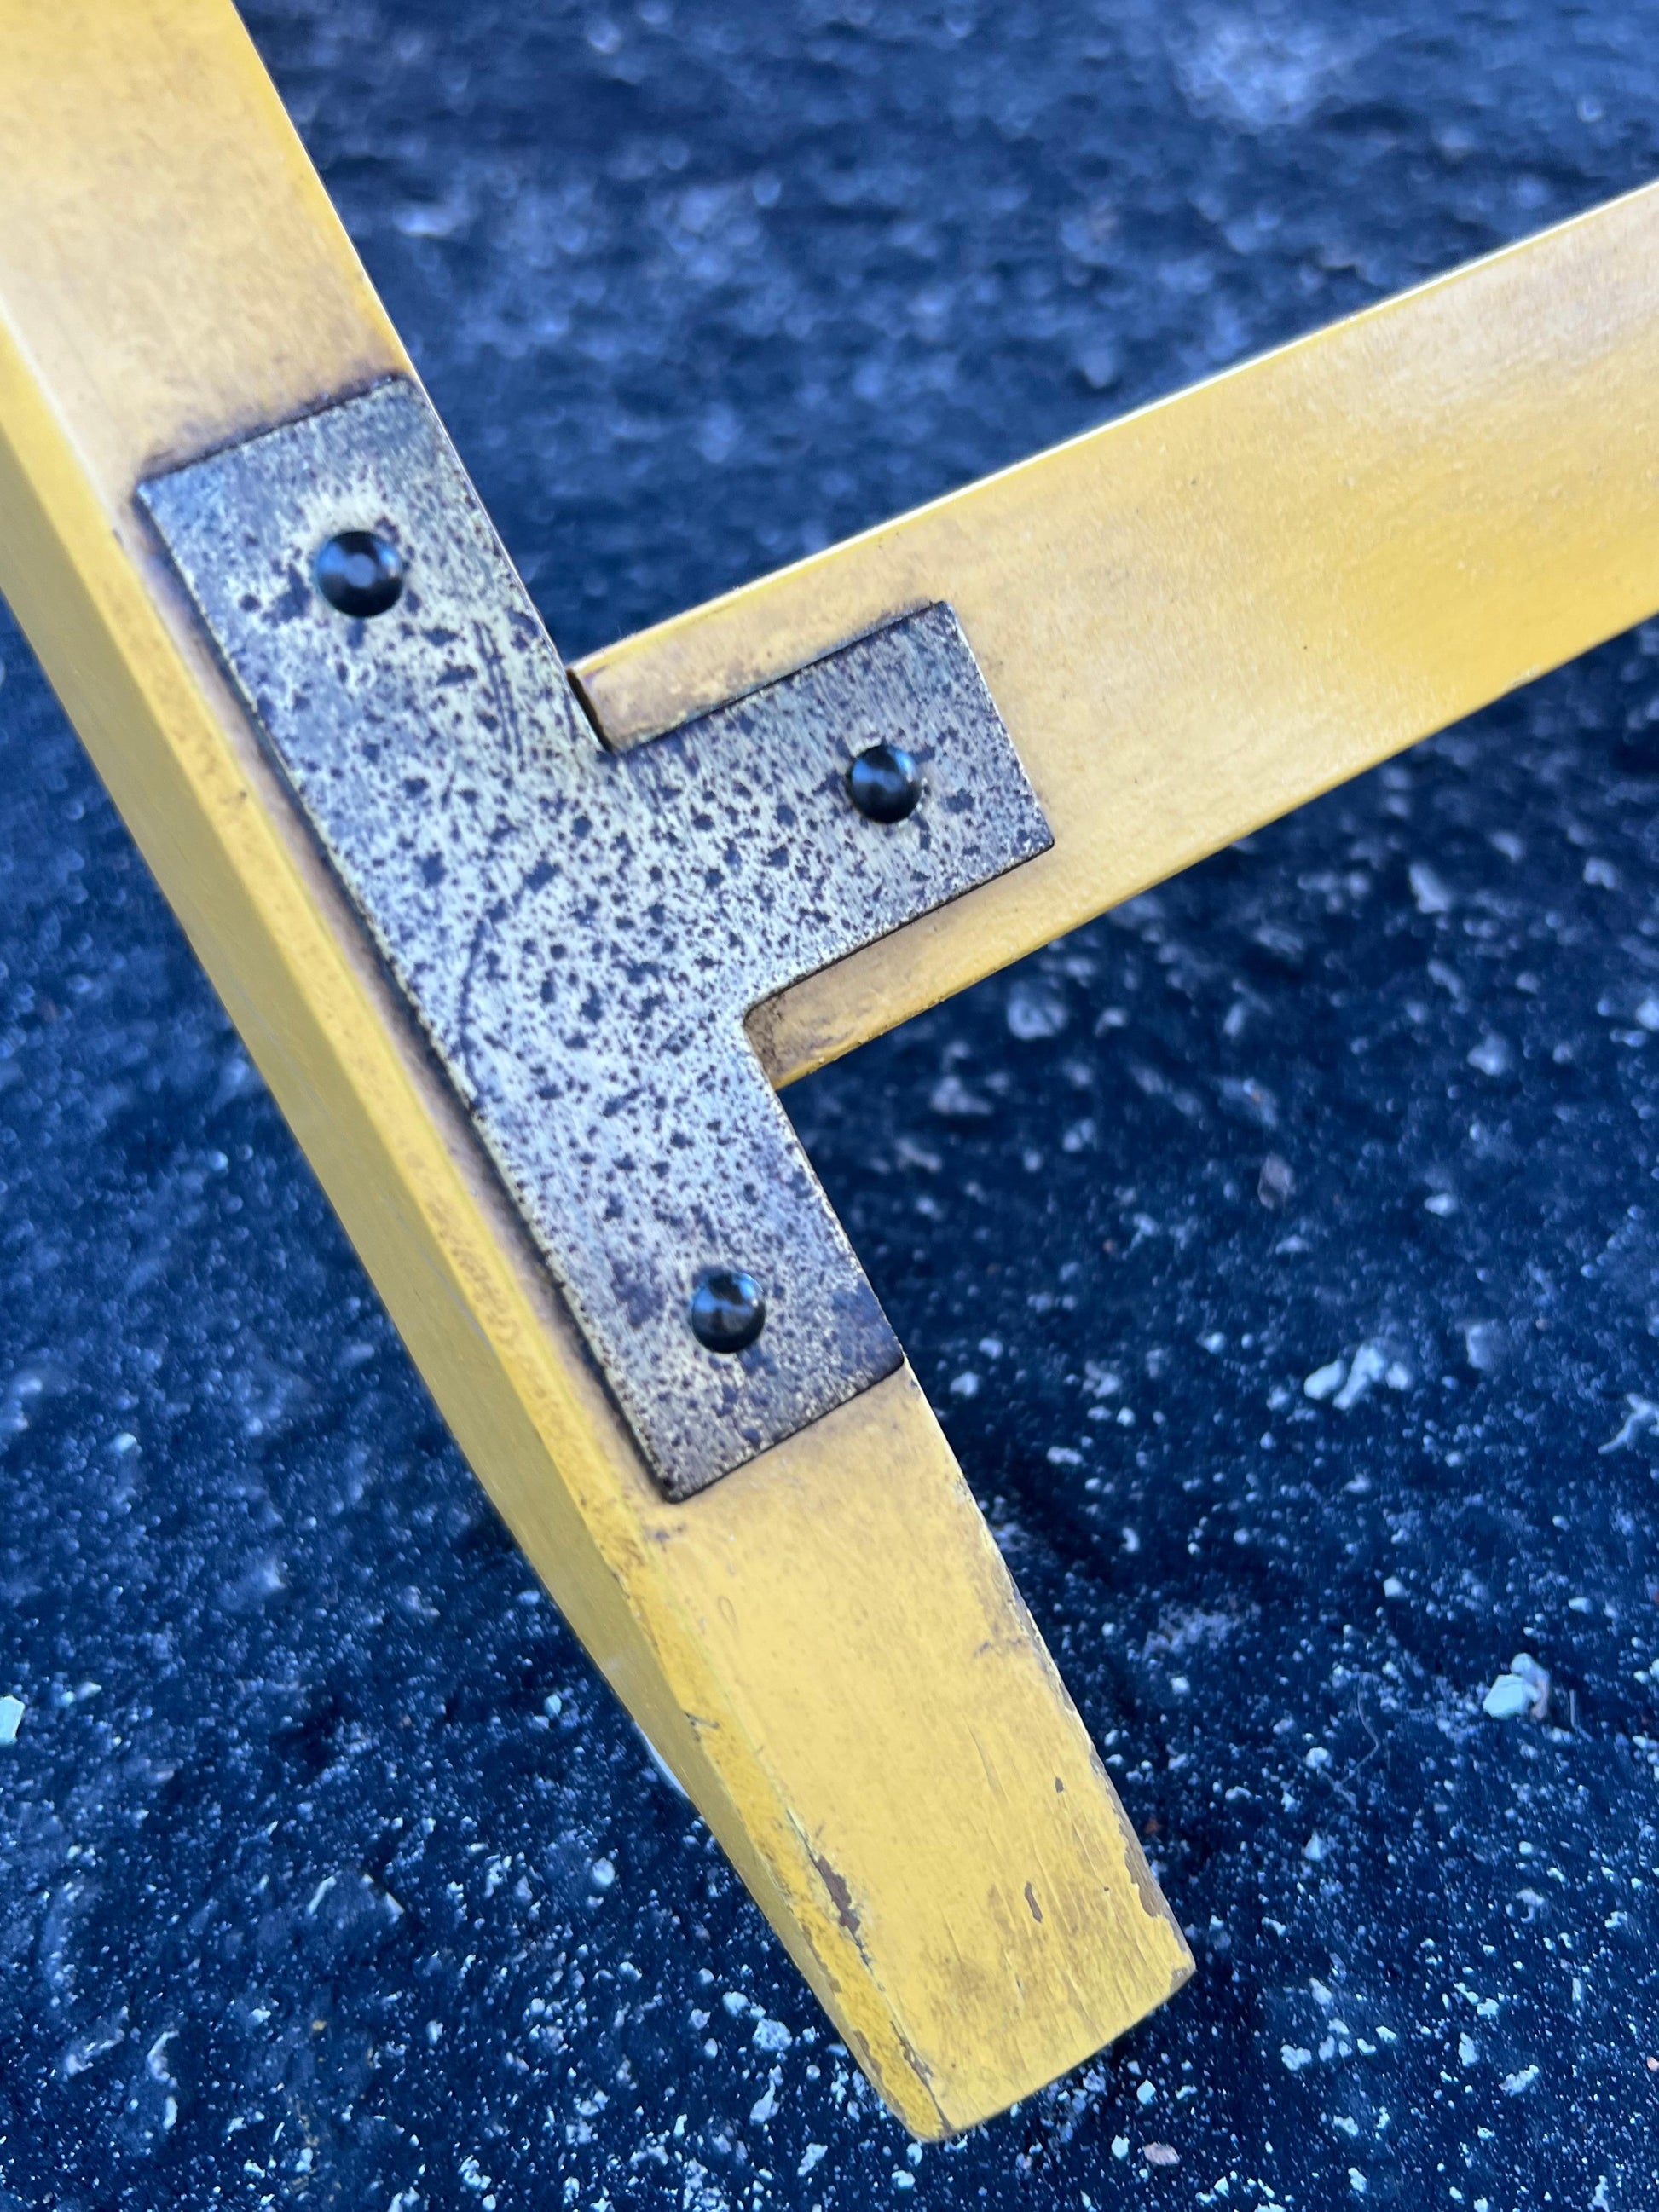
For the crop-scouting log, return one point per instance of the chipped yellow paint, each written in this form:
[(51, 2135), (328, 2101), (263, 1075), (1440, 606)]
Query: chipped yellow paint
[(826, 1646)]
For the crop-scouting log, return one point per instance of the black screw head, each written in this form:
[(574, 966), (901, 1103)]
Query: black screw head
[(727, 1311), (885, 783), (359, 574)]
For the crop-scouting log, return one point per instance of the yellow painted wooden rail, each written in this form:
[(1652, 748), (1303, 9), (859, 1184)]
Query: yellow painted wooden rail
[(1191, 621)]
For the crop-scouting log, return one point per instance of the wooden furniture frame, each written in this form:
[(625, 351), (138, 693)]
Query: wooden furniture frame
[(1191, 621)]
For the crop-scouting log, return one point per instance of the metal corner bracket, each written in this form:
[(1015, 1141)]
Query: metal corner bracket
[(581, 931)]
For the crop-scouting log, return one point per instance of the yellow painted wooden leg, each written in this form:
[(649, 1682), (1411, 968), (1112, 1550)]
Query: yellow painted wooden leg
[(826, 1646)]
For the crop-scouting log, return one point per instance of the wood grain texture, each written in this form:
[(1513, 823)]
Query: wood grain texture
[(1204, 615), (826, 1647)]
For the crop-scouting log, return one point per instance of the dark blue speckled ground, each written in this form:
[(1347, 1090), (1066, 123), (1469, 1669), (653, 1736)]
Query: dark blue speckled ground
[(328, 1875)]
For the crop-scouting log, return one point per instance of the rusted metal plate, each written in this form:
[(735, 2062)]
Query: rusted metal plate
[(581, 931)]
